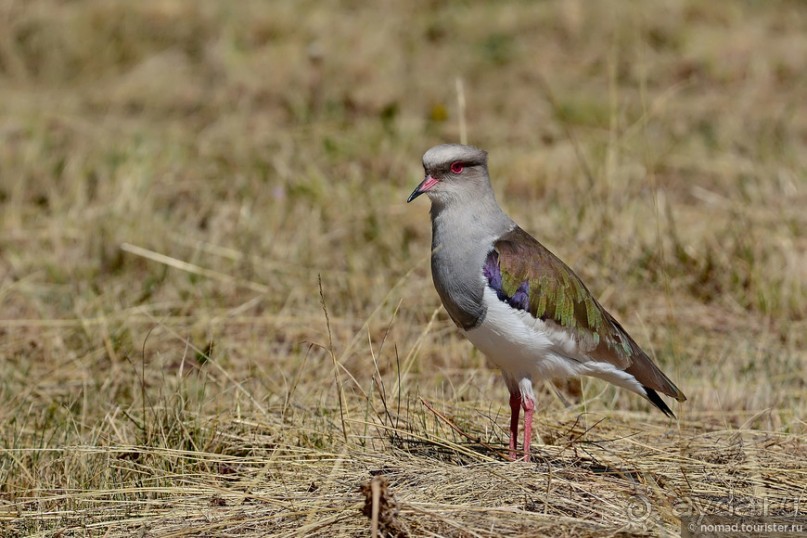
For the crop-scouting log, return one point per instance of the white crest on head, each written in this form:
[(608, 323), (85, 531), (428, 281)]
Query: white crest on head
[(448, 153)]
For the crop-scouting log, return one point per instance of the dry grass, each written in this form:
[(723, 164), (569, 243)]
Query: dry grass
[(175, 177)]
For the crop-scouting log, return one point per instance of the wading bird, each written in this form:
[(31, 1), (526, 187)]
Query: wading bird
[(518, 303)]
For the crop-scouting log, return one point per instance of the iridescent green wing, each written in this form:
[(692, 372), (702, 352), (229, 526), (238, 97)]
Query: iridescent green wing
[(534, 279), (529, 277)]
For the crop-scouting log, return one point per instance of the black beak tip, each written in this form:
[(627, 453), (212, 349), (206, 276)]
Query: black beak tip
[(415, 193), (427, 183)]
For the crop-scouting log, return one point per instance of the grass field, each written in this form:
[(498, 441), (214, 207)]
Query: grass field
[(216, 312)]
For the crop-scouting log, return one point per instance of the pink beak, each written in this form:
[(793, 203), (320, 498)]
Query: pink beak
[(425, 185)]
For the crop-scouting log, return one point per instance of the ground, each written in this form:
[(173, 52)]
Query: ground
[(216, 312)]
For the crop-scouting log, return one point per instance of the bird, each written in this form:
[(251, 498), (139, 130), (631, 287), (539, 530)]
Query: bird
[(517, 302)]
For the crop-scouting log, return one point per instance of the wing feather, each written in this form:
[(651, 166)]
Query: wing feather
[(526, 275)]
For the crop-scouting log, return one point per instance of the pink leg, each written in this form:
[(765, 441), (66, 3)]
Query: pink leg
[(529, 409), (515, 410)]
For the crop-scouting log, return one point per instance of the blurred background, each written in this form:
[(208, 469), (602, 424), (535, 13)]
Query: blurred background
[(185, 184)]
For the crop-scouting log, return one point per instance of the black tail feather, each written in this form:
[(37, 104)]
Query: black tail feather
[(656, 400)]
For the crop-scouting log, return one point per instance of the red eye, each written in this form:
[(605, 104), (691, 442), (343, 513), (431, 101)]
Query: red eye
[(456, 167)]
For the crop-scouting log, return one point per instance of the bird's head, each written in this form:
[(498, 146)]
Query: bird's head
[(453, 171)]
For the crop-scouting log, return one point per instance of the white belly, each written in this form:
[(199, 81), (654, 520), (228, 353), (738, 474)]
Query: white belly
[(526, 348), (521, 345)]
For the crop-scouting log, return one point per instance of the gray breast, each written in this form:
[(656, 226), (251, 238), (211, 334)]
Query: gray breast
[(460, 291), (462, 235), (457, 260)]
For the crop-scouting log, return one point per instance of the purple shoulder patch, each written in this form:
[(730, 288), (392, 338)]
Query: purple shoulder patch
[(493, 273), (521, 298)]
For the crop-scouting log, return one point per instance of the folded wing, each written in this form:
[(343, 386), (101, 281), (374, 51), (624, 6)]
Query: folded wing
[(529, 277)]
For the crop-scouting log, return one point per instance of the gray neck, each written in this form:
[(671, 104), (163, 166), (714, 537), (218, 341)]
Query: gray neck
[(463, 233)]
